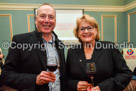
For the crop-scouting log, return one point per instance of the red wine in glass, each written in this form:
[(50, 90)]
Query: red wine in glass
[(52, 67), (91, 70)]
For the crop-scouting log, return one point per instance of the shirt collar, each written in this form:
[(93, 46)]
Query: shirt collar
[(50, 41)]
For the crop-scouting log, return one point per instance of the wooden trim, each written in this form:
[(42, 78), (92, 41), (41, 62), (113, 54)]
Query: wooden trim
[(10, 24), (129, 14), (28, 21), (115, 25), (132, 13), (24, 6), (102, 26), (130, 6), (128, 28)]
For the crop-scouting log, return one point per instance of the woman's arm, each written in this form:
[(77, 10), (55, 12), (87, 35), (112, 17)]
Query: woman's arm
[(122, 74)]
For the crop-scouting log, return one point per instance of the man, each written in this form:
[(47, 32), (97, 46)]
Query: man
[(26, 68), (1, 62), (132, 85)]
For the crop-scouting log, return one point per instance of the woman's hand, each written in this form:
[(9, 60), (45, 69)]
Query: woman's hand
[(95, 88), (83, 85)]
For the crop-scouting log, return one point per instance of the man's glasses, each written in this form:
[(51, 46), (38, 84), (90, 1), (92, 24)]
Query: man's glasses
[(89, 29)]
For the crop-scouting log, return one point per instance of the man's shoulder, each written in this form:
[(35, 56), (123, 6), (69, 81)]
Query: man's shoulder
[(23, 36)]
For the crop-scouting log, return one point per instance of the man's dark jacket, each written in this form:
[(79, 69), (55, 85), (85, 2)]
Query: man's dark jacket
[(23, 64)]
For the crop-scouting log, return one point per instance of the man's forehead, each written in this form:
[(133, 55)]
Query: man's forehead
[(45, 7)]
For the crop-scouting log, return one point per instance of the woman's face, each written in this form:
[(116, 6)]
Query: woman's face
[(87, 33)]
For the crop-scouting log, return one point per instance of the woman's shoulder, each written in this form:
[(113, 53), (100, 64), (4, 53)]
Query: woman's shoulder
[(105, 45), (105, 42)]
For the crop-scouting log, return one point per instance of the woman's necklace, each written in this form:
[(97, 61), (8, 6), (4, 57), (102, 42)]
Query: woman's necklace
[(88, 52)]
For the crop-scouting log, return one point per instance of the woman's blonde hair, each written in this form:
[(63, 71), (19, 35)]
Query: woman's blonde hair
[(90, 20)]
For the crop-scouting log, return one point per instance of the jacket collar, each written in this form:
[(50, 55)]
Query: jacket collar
[(39, 34)]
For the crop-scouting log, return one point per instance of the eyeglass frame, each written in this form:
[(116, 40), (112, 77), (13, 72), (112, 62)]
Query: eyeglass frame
[(89, 29)]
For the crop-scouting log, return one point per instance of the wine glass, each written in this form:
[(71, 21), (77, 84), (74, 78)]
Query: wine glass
[(52, 65), (91, 70)]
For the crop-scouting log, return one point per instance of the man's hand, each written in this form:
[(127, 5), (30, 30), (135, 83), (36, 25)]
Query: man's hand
[(131, 86), (83, 85), (45, 77)]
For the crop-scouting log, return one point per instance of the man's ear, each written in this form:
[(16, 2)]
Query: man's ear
[(55, 21), (35, 19)]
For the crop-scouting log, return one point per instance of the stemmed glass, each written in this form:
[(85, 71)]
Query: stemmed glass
[(52, 65), (91, 70)]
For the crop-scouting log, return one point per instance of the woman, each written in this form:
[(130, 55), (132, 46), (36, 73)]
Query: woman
[(112, 73)]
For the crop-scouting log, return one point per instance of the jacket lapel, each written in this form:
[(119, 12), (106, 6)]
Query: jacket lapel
[(97, 52), (81, 59), (60, 53), (41, 53)]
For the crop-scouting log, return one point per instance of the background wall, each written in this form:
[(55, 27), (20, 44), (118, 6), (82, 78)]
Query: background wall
[(116, 18), (128, 1), (75, 2), (130, 25)]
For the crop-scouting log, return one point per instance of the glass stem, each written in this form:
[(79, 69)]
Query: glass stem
[(92, 79)]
